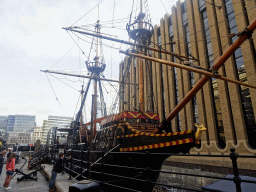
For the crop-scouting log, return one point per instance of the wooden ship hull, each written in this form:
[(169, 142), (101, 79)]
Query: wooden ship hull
[(135, 150), (134, 131)]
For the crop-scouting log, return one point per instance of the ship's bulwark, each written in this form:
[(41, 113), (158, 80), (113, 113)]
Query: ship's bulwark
[(136, 151), (114, 168), (128, 160)]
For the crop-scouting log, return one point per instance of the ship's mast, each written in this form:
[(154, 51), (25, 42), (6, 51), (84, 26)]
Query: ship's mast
[(141, 81), (96, 67), (141, 32), (81, 118), (96, 75)]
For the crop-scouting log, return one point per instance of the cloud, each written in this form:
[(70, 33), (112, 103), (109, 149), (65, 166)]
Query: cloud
[(32, 38), (47, 18), (7, 56)]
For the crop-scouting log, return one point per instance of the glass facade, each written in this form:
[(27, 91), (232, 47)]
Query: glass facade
[(10, 123), (24, 123), (18, 123), (159, 40), (3, 122), (21, 123)]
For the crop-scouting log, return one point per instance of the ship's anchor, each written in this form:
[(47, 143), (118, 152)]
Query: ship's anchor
[(29, 175)]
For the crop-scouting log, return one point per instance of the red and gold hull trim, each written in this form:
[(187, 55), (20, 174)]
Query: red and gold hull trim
[(159, 145), (130, 115)]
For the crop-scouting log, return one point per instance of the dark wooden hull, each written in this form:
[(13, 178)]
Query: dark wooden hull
[(136, 155), (136, 170)]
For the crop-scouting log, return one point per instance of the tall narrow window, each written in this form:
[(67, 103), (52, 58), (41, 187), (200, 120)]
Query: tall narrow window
[(188, 53), (174, 75), (214, 89), (241, 75), (159, 41)]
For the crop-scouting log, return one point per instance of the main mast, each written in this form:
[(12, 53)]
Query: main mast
[(140, 31), (141, 73)]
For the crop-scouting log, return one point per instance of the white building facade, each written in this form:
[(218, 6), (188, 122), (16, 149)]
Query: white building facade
[(20, 138), (54, 121), (37, 134)]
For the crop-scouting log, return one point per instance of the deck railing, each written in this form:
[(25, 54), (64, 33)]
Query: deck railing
[(76, 167)]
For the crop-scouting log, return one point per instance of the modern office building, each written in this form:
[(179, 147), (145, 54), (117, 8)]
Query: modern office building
[(54, 121), (203, 30), (3, 123), (20, 138), (3, 134), (21, 123), (37, 134)]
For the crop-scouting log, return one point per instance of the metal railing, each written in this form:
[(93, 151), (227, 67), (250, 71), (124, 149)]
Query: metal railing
[(38, 157), (76, 168)]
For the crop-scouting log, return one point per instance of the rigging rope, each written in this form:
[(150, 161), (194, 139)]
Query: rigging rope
[(114, 12), (61, 107), (87, 12), (164, 6), (76, 44), (76, 106), (80, 64), (108, 22), (62, 57), (131, 12), (103, 104), (64, 82), (91, 48), (103, 44)]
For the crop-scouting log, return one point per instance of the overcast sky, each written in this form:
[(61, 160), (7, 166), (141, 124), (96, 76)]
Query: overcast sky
[(32, 39)]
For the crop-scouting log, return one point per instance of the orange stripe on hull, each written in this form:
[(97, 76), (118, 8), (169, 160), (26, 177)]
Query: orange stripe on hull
[(155, 135), (158, 145)]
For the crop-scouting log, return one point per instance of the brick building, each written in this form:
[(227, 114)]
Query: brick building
[(204, 30)]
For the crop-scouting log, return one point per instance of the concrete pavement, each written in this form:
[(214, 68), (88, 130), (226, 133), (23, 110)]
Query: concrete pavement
[(41, 185), (62, 182)]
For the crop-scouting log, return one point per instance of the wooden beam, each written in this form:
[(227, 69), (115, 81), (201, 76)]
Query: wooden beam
[(182, 66), (74, 29), (84, 76), (205, 78)]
